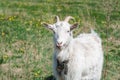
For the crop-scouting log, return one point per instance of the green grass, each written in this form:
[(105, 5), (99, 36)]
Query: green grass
[(26, 46)]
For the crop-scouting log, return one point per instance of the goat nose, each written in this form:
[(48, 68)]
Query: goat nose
[(59, 43)]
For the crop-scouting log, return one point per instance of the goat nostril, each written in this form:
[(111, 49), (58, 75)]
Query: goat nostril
[(59, 43)]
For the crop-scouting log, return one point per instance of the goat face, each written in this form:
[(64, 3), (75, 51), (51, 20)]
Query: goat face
[(62, 32)]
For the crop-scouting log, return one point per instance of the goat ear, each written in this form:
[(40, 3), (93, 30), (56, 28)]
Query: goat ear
[(49, 26), (74, 26)]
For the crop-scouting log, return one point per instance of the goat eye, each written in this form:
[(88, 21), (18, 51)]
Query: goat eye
[(68, 31)]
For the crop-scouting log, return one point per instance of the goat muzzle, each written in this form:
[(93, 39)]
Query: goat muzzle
[(59, 45)]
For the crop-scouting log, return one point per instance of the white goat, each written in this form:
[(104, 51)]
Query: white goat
[(79, 58)]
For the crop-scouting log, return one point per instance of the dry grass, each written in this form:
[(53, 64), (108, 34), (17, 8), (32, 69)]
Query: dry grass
[(26, 46)]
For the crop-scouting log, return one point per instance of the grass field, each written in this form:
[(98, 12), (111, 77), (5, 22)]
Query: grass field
[(26, 46)]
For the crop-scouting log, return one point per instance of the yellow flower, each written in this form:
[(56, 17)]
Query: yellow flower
[(36, 74), (3, 33), (22, 50), (11, 18), (5, 57)]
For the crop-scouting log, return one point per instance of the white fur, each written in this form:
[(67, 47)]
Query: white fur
[(84, 53)]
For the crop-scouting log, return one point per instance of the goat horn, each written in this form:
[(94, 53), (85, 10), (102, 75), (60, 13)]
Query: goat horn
[(68, 18), (57, 19)]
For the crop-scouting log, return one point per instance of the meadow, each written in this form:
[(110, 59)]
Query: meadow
[(26, 47)]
